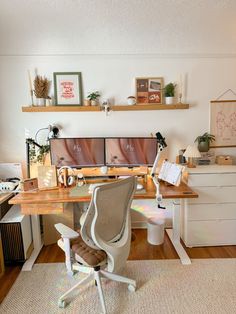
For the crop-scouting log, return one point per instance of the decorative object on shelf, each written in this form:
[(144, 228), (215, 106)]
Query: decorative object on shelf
[(41, 90), (149, 90), (48, 101), (207, 158), (169, 92), (204, 141), (223, 122), (31, 89), (180, 89), (224, 160), (131, 100), (106, 107), (93, 97), (190, 153), (68, 88), (87, 102)]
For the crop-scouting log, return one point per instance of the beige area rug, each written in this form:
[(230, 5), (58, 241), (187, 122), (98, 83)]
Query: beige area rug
[(164, 286)]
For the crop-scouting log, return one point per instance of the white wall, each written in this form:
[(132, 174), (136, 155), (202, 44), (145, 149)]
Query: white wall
[(111, 43)]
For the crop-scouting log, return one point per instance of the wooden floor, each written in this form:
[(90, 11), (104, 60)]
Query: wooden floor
[(140, 250)]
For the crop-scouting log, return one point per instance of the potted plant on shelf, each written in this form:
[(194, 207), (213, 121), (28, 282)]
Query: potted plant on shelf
[(169, 92), (93, 97), (41, 89), (204, 141)]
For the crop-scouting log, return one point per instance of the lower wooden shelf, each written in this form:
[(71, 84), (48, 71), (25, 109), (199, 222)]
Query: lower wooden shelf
[(99, 108)]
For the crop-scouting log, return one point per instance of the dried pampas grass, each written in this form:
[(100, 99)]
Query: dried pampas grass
[(41, 87)]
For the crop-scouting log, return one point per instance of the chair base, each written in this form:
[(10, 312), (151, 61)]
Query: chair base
[(96, 275)]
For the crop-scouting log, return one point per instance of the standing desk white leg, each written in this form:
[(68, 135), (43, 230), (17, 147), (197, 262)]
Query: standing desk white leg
[(174, 233), (37, 240)]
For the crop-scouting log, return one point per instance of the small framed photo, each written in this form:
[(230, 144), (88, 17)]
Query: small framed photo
[(149, 90), (68, 88)]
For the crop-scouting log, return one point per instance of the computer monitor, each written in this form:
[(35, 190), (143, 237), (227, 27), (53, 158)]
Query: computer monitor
[(130, 152), (77, 152)]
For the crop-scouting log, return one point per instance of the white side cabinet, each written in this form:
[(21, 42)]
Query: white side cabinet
[(210, 220)]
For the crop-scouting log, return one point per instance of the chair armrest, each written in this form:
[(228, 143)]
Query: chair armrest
[(66, 232)]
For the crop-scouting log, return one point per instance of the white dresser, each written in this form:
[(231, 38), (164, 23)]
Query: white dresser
[(210, 220)]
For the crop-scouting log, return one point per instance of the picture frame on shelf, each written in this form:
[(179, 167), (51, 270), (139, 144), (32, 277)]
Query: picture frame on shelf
[(67, 88), (223, 122), (149, 90)]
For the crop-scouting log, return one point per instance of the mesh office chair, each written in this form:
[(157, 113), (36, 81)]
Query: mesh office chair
[(104, 242)]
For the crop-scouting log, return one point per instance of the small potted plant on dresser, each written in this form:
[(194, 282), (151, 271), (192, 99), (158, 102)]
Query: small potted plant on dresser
[(204, 141), (41, 90), (93, 97), (169, 92)]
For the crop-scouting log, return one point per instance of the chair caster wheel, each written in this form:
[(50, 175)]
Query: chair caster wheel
[(131, 288), (62, 304)]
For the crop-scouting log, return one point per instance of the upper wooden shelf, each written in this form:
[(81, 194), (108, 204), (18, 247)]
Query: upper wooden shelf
[(99, 108)]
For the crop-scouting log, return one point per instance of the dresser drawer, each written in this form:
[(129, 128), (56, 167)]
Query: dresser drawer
[(214, 195), (211, 233), (198, 212), (212, 179)]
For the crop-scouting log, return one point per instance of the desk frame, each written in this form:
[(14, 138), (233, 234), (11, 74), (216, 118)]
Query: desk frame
[(174, 233), (182, 193), (37, 241)]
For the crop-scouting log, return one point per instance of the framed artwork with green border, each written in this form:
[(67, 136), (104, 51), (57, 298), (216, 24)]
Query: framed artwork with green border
[(67, 88)]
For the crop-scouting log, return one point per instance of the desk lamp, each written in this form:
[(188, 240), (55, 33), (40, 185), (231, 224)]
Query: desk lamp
[(191, 152)]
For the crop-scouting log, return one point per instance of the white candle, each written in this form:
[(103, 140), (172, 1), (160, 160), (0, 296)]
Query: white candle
[(30, 82), (180, 85)]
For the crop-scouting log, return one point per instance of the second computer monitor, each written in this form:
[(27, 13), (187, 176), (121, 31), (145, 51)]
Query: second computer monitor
[(130, 152)]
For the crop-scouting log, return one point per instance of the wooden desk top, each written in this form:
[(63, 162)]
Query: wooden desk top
[(65, 195)]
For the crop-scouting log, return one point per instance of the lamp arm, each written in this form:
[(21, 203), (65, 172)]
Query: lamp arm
[(161, 144), (153, 174)]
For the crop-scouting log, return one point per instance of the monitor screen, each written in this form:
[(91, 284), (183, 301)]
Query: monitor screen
[(77, 152), (130, 152)]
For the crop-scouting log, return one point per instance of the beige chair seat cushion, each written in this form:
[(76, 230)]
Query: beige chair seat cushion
[(87, 255)]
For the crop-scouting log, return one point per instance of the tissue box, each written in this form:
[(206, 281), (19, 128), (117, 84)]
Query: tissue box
[(224, 160)]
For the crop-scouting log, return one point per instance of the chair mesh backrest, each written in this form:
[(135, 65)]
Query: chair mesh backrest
[(110, 203)]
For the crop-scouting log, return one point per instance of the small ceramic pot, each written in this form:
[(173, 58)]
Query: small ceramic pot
[(203, 146), (87, 102), (94, 103), (169, 100), (131, 100), (40, 102)]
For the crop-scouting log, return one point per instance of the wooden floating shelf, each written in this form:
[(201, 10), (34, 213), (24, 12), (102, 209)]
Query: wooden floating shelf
[(98, 108)]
